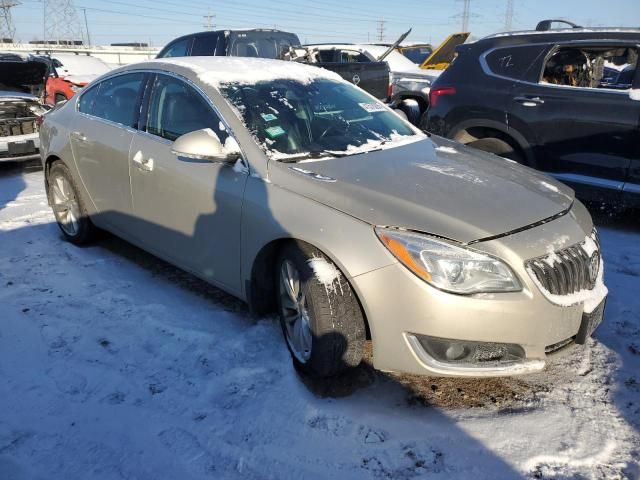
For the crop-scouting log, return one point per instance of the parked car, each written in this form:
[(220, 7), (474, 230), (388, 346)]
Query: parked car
[(22, 80), (544, 99), (258, 42), (69, 73), (292, 189), (372, 77)]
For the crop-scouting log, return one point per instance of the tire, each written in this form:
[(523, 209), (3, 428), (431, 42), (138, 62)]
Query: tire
[(64, 199), (336, 328), (498, 147), (411, 109)]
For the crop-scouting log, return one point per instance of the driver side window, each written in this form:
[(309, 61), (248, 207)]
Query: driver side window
[(175, 108)]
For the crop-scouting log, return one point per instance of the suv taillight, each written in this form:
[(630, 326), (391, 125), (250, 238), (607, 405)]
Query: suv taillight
[(437, 92)]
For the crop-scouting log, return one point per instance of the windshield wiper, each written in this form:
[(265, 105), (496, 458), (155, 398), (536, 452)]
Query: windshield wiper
[(313, 154)]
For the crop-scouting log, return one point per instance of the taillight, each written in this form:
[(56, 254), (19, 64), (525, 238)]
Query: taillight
[(437, 92)]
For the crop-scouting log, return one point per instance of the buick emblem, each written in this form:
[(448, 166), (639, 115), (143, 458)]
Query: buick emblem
[(356, 79), (594, 267)]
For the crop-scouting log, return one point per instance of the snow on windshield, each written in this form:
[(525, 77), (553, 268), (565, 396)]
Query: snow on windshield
[(293, 120)]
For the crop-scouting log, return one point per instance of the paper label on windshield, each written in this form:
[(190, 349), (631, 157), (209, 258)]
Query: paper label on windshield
[(268, 117), (274, 132), (373, 107)]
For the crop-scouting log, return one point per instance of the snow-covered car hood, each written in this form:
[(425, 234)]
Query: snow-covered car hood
[(451, 191)]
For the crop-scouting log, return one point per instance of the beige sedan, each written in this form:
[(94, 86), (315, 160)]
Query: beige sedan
[(300, 193)]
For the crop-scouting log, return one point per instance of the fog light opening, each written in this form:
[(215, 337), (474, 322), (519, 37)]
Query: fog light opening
[(471, 353)]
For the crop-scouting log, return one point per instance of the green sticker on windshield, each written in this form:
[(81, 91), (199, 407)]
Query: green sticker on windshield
[(268, 117), (274, 132)]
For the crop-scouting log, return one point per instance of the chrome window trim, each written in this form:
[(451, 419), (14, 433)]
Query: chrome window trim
[(487, 69), (164, 140)]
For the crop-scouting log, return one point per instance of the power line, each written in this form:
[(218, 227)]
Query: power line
[(61, 21), (465, 15), (208, 25), (381, 30)]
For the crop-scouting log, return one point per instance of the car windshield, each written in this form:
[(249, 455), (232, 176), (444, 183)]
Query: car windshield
[(292, 120)]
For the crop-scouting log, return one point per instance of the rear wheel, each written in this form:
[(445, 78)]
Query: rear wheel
[(321, 319), (67, 206), (411, 109), (498, 147)]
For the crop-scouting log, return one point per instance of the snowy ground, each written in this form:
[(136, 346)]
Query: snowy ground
[(115, 365)]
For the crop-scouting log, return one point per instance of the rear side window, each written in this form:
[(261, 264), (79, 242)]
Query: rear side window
[(608, 67), (515, 61), (117, 99), (208, 45), (353, 56), (85, 105), (176, 108), (177, 49)]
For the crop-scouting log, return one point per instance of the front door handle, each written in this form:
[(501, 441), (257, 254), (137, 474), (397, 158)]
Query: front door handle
[(79, 136), (143, 163), (529, 101)]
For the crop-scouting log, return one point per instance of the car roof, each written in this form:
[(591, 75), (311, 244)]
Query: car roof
[(563, 34), (213, 70)]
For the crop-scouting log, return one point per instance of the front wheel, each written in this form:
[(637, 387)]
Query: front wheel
[(67, 206), (498, 147), (321, 319)]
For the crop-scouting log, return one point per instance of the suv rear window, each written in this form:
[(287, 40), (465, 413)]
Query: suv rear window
[(513, 61), (208, 45)]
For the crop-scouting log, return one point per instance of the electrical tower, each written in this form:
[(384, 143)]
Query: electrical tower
[(7, 28), (62, 24), (381, 30), (208, 19), (508, 17), (465, 15)]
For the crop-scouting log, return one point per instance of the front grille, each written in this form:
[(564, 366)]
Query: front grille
[(563, 272)]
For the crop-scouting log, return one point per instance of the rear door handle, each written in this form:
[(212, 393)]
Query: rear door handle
[(529, 101), (143, 163)]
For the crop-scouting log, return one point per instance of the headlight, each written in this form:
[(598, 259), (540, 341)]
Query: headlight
[(447, 266)]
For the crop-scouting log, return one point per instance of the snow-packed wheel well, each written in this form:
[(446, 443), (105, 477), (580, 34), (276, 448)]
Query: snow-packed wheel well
[(471, 134), (261, 289)]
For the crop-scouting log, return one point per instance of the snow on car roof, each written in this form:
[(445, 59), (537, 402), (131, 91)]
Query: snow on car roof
[(215, 71)]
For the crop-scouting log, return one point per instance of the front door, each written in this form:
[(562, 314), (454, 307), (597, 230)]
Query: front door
[(188, 211)]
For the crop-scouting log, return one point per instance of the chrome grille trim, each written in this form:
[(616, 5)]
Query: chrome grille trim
[(565, 271)]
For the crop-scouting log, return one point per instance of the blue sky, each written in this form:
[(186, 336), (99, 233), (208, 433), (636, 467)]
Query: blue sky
[(158, 21)]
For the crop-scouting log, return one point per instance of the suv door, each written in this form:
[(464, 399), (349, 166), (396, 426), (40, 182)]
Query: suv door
[(584, 134), (632, 185), (100, 141), (188, 210)]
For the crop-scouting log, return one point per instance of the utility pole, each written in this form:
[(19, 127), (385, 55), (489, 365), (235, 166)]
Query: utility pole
[(7, 28), (61, 23), (465, 15), (86, 26), (208, 19), (508, 17), (381, 29)]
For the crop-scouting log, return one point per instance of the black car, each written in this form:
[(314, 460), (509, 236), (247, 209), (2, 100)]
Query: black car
[(260, 42), (556, 100)]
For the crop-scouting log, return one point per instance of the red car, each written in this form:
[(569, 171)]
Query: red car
[(69, 73)]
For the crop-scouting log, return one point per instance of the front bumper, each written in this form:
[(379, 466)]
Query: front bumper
[(31, 140), (401, 308)]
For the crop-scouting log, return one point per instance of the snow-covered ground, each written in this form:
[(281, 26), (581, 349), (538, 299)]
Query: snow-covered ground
[(115, 365)]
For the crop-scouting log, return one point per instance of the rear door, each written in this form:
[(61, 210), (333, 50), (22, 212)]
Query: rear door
[(188, 211), (100, 141), (584, 134), (632, 185)]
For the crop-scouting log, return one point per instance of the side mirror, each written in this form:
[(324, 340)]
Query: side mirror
[(205, 145)]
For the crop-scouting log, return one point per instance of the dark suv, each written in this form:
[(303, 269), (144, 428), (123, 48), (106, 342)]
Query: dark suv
[(562, 101), (260, 42)]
